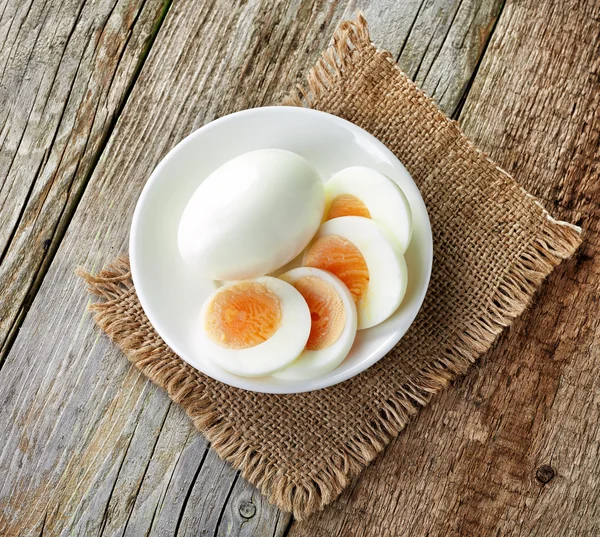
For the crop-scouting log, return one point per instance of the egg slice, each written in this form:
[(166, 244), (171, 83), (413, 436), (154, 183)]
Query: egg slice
[(254, 327), (361, 191), (252, 215), (333, 327), (362, 254)]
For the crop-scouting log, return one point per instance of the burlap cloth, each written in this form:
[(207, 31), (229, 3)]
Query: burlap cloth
[(494, 244)]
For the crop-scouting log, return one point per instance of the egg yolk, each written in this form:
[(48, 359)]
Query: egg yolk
[(339, 256), (326, 311), (243, 316), (347, 205)]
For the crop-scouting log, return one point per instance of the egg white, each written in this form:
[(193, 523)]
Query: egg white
[(388, 275), (380, 194), (314, 363), (282, 348)]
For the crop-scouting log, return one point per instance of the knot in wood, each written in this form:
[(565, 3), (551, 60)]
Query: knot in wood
[(544, 474), (247, 509)]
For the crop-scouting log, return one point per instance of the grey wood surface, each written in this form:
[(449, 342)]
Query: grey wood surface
[(89, 447), (66, 69)]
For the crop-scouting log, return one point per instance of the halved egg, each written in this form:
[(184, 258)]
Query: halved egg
[(361, 191), (254, 327), (362, 254), (252, 215), (333, 327)]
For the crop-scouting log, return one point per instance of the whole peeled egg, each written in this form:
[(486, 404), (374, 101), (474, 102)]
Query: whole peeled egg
[(252, 215)]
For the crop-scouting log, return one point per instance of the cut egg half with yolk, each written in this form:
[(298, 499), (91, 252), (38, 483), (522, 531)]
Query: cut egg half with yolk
[(255, 327), (361, 191), (334, 321), (363, 255)]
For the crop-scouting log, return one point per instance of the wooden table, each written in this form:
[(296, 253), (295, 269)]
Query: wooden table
[(93, 95)]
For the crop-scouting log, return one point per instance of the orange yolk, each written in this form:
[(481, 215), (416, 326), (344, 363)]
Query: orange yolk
[(347, 205), (326, 311), (243, 316), (342, 258)]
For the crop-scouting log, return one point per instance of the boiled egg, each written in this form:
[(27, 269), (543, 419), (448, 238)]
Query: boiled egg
[(333, 323), (363, 255), (252, 215), (361, 191), (254, 327)]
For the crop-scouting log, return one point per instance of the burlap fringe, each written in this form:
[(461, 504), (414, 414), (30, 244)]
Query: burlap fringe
[(309, 492), (349, 37)]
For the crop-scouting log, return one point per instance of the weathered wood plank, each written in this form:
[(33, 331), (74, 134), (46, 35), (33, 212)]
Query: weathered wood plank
[(437, 43), (90, 447), (244, 514), (512, 449), (65, 71)]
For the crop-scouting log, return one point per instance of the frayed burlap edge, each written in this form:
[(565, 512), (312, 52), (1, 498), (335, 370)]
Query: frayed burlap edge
[(556, 241)]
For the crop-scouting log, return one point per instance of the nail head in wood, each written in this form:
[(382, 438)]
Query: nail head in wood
[(544, 474), (247, 509)]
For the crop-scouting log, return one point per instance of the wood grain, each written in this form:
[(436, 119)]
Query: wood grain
[(437, 43), (65, 71), (512, 449), (90, 448)]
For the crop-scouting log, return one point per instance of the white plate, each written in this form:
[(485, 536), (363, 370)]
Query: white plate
[(172, 296)]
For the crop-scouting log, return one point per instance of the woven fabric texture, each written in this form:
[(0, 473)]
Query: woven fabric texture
[(493, 246)]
